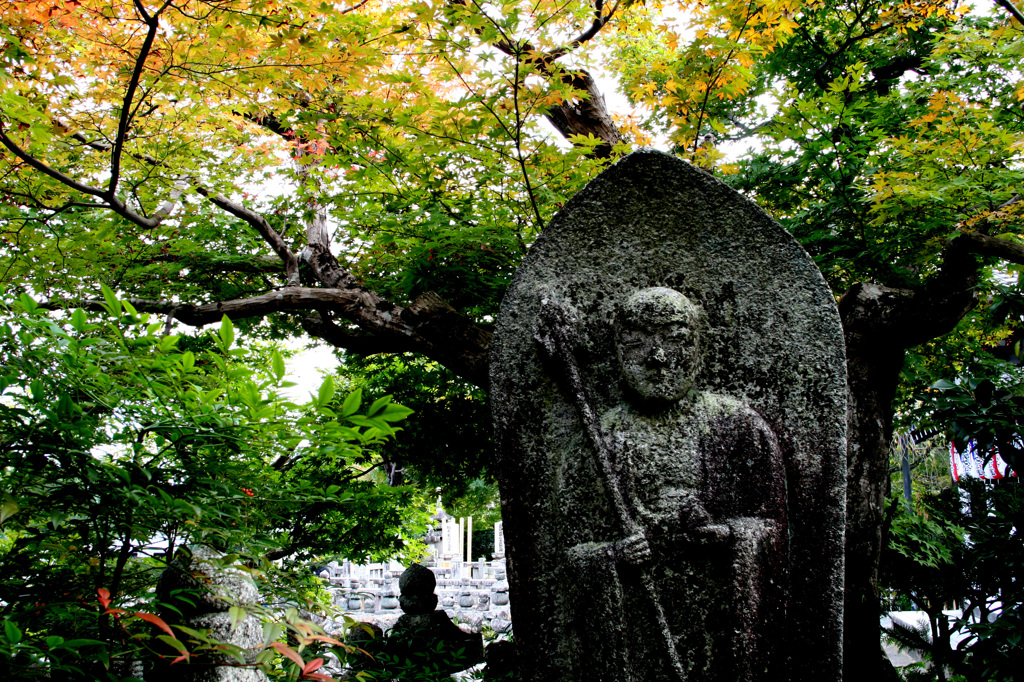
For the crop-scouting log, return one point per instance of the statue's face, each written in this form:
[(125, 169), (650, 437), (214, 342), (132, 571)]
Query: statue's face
[(657, 344)]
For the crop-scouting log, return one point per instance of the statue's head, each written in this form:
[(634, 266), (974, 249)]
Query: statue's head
[(657, 343)]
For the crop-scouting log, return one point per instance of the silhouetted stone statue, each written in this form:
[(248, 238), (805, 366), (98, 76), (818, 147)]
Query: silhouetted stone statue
[(426, 637), (669, 395)]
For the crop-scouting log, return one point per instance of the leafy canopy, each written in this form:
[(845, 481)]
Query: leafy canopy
[(122, 445)]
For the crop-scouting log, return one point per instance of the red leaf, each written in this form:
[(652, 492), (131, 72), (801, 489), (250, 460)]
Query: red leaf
[(285, 650), (157, 621), (319, 677), (181, 658), (104, 594), (312, 665)]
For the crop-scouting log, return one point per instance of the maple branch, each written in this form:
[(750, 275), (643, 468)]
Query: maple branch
[(983, 244), (289, 299), (213, 262), (518, 138), (353, 8), (271, 123), (876, 316), (600, 20), (587, 116), (125, 119), (320, 325), (260, 224), (45, 169), (428, 325), (165, 211), (112, 202), (745, 130), (269, 234), (544, 60)]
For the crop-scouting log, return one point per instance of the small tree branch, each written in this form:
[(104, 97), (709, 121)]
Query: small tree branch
[(124, 121), (745, 130), (600, 20), (353, 8), (265, 264), (40, 166), (165, 211), (1012, 9), (112, 202), (271, 123), (260, 224)]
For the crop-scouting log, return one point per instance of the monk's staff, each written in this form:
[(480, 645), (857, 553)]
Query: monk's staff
[(553, 337)]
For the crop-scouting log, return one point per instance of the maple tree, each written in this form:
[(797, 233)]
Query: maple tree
[(122, 446), (895, 159), (370, 173), (384, 121)]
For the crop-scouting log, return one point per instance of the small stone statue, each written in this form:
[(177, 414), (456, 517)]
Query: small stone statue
[(201, 596), (426, 637)]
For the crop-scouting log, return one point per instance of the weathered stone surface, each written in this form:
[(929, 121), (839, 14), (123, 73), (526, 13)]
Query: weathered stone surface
[(224, 674), (208, 589), (204, 594), (247, 634), (732, 477)]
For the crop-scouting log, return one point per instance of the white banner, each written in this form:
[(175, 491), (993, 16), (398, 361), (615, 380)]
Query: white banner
[(971, 464)]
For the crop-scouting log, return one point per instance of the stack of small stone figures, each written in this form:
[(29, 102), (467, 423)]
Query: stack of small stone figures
[(424, 637)]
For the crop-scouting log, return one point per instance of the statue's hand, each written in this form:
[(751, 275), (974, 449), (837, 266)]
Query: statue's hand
[(633, 550), (712, 534)]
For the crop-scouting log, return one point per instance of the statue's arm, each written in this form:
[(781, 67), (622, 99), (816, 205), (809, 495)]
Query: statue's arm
[(682, 514), (698, 524), (633, 550), (762, 473)]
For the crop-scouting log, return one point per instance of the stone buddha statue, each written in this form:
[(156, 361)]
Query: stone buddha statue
[(705, 482)]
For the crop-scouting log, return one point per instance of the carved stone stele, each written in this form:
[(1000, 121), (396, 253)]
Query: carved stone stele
[(692, 526)]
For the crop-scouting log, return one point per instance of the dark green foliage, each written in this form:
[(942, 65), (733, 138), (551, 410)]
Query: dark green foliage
[(448, 443), (120, 445), (415, 653), (886, 142), (984, 401), (967, 550)]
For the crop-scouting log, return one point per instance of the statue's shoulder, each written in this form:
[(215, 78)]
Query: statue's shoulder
[(719, 405)]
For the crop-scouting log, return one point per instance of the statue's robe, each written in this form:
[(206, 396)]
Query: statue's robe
[(708, 460)]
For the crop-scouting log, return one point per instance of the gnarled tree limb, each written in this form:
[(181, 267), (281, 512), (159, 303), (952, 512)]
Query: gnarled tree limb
[(983, 244), (428, 326)]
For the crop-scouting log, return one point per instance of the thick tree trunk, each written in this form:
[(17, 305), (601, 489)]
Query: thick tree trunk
[(879, 324), (873, 366)]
